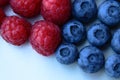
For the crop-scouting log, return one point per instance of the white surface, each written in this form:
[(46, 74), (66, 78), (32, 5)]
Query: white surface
[(23, 63)]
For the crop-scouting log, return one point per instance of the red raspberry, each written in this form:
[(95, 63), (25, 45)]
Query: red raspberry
[(3, 3), (56, 11), (26, 8), (2, 15), (15, 30), (45, 37)]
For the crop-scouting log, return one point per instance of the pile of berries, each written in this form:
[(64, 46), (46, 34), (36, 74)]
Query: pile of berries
[(64, 29)]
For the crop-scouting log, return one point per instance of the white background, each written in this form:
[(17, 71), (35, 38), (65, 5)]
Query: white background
[(23, 63)]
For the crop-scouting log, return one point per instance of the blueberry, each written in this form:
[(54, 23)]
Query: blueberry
[(84, 10), (115, 42), (67, 53), (109, 12), (73, 31), (112, 66), (98, 34), (91, 59)]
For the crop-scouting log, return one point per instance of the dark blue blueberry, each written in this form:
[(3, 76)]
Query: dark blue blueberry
[(98, 34), (109, 12), (115, 43), (84, 10), (73, 31), (112, 66), (67, 53), (91, 59)]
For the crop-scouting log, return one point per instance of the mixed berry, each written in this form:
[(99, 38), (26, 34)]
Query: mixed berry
[(66, 25)]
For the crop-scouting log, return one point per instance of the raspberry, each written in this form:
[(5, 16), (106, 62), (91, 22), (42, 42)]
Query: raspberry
[(26, 8), (2, 16), (45, 37), (3, 3), (56, 11), (15, 30)]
